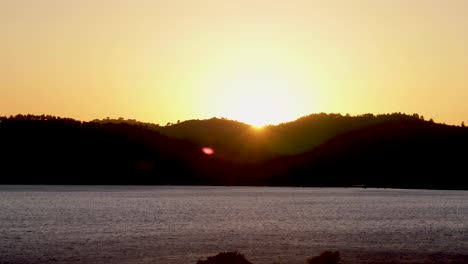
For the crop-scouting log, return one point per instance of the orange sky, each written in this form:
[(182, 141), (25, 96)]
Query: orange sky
[(255, 61)]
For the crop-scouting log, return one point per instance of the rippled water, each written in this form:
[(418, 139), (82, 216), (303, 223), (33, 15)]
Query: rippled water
[(119, 224)]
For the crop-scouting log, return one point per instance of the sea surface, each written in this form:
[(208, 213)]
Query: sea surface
[(165, 224)]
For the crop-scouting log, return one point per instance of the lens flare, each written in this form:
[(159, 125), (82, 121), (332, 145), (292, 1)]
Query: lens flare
[(208, 151)]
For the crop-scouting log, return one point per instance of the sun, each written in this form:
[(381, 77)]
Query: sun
[(259, 99), (259, 86), (263, 96)]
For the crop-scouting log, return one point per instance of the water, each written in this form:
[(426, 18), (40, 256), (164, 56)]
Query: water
[(119, 224)]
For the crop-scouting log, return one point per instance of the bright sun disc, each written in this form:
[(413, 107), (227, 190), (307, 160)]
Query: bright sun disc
[(260, 87), (261, 97)]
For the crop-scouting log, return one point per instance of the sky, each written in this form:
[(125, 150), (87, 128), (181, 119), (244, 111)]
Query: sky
[(256, 61)]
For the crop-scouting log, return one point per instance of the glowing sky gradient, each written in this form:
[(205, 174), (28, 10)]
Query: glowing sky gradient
[(255, 61)]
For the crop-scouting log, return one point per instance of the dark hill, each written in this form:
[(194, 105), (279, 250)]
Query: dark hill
[(394, 150), (233, 141), (51, 150), (242, 143), (404, 154)]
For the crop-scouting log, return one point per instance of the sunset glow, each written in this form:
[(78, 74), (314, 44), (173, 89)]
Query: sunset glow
[(255, 61)]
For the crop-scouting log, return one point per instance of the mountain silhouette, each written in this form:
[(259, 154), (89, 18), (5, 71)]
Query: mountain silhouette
[(401, 154), (392, 150), (51, 150)]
